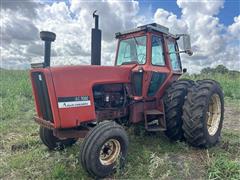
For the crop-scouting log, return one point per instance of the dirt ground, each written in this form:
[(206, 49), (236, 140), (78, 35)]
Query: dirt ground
[(231, 118)]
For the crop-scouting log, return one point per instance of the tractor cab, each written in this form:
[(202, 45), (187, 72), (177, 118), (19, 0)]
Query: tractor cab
[(146, 45), (156, 56)]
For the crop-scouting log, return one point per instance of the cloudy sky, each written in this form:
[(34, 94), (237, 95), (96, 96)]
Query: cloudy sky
[(214, 26)]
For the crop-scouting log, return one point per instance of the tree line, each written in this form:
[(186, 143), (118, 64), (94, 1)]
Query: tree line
[(220, 69)]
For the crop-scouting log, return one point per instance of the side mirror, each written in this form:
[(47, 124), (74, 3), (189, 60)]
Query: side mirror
[(185, 38), (187, 44)]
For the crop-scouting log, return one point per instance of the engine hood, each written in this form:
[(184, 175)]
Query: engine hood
[(71, 82), (75, 78)]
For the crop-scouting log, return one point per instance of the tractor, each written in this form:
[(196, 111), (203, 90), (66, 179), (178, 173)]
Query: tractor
[(97, 103)]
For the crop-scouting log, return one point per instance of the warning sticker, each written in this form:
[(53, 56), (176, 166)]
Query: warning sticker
[(76, 101)]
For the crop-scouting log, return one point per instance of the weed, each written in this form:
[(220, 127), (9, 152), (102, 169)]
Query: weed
[(155, 163), (223, 168)]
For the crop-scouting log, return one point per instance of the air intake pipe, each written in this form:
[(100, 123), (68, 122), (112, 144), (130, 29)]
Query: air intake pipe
[(47, 37), (96, 42)]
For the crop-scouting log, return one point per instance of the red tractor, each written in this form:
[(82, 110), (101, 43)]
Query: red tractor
[(95, 102)]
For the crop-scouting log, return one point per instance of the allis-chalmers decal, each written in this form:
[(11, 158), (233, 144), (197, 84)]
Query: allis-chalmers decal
[(76, 101)]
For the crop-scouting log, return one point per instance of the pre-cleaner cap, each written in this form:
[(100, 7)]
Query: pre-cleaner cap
[(47, 36)]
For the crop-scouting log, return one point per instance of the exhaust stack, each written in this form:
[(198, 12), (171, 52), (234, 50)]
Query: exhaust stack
[(96, 42), (47, 37)]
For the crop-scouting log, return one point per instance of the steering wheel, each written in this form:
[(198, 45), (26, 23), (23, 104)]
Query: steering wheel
[(141, 60)]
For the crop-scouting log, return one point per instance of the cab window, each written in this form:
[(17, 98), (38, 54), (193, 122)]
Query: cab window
[(157, 51), (174, 56), (132, 49)]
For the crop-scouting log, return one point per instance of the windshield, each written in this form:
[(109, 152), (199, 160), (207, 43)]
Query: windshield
[(132, 49)]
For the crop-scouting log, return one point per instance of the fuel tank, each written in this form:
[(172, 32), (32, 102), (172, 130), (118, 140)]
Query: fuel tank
[(64, 94)]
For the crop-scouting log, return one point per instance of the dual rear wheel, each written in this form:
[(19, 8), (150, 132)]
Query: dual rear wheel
[(194, 112), (203, 113)]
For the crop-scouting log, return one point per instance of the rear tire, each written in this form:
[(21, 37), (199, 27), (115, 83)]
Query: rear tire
[(203, 114), (52, 142), (104, 149), (174, 98)]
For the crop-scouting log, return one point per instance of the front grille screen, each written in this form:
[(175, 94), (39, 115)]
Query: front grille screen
[(42, 95)]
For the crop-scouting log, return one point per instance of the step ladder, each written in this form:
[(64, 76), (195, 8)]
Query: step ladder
[(154, 120)]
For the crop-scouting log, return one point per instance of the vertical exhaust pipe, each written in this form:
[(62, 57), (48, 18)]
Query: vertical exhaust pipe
[(96, 42), (47, 37)]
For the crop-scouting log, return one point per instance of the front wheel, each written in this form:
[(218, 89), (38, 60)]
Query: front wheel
[(52, 142), (203, 113), (104, 149)]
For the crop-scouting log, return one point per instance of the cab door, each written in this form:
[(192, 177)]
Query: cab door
[(158, 68)]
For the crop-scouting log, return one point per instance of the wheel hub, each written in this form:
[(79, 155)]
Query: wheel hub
[(214, 114), (109, 152)]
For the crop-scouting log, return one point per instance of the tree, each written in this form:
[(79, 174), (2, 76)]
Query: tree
[(206, 70), (221, 69)]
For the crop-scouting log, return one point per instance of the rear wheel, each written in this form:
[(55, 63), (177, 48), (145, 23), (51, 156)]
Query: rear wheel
[(203, 114), (104, 149), (174, 98), (52, 142)]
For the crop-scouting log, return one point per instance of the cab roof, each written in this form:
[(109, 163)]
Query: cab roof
[(147, 28)]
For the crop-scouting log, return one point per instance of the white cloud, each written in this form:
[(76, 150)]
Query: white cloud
[(210, 38), (170, 20), (213, 43), (206, 7), (115, 15), (73, 28), (234, 29)]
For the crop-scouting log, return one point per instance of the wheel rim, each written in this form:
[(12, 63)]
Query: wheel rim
[(110, 152), (214, 114)]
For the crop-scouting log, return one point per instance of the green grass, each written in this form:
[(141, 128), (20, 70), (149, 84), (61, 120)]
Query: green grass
[(230, 83), (23, 156), (15, 94)]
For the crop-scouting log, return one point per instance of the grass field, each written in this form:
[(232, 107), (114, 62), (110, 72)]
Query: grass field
[(23, 156)]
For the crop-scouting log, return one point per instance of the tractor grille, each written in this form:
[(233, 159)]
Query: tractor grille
[(42, 95)]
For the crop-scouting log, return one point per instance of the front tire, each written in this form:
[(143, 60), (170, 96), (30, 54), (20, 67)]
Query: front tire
[(203, 114), (52, 142), (103, 149)]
